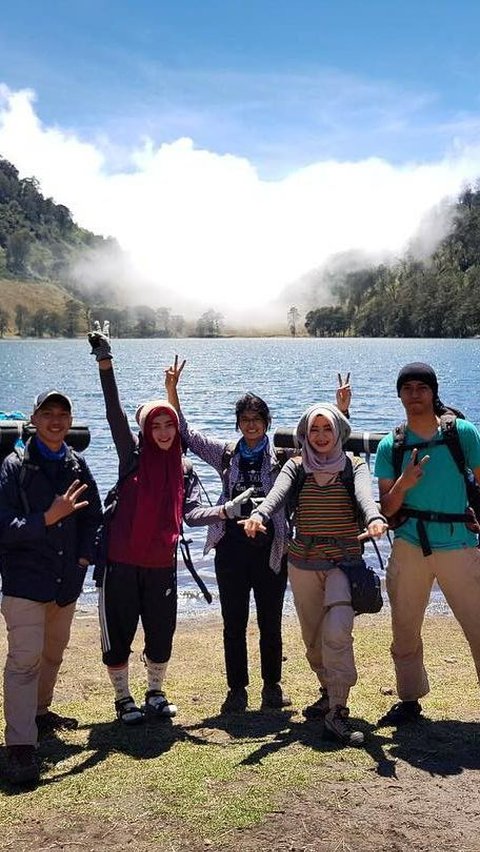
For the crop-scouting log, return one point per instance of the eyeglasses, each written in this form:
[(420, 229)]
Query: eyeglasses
[(245, 421)]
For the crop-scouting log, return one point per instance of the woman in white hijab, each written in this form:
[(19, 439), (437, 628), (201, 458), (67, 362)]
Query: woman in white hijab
[(326, 531)]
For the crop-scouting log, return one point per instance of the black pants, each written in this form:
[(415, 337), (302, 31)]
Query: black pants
[(130, 593), (241, 568)]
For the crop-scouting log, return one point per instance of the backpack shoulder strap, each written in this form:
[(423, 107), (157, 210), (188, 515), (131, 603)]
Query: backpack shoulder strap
[(347, 478), (228, 453), (398, 448), (23, 455), (448, 425), (187, 468), (294, 493)]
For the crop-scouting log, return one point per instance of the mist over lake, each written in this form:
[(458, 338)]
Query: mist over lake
[(288, 373)]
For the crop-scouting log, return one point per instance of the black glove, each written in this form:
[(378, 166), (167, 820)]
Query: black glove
[(100, 346)]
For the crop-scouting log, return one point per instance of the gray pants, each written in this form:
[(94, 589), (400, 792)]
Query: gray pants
[(37, 635)]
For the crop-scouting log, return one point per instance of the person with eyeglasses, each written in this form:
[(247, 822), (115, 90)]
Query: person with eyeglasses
[(244, 565)]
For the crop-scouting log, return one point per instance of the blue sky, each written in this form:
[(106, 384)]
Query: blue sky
[(233, 146), (282, 83)]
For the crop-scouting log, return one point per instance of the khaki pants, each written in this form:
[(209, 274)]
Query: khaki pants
[(37, 635), (323, 603), (410, 577)]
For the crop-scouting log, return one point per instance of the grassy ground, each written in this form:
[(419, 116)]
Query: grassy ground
[(200, 781)]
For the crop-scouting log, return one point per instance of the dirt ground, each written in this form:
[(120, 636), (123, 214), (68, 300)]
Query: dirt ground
[(421, 794), (415, 808)]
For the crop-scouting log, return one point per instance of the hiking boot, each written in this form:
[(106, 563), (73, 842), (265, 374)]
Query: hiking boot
[(337, 724), (236, 701), (402, 713), (22, 767), (319, 708), (127, 711), (49, 722), (273, 697), (157, 704)]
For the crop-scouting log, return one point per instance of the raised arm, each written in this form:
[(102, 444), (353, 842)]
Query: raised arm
[(344, 394), (211, 450), (124, 439)]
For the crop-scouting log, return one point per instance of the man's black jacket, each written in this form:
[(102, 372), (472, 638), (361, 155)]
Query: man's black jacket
[(39, 562)]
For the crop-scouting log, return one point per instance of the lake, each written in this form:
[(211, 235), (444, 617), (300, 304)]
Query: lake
[(288, 373)]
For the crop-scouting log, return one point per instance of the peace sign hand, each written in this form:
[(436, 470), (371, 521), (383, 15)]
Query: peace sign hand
[(414, 469), (66, 504), (173, 373), (344, 393)]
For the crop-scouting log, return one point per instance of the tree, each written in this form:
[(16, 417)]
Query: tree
[(145, 326), (72, 314), (22, 319), (39, 322), (3, 322), (18, 246), (209, 324), (163, 322), (293, 316), (329, 321)]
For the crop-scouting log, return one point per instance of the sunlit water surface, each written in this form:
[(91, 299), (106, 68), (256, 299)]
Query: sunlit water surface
[(290, 374)]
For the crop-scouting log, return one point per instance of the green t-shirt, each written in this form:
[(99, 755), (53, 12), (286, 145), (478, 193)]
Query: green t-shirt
[(440, 489)]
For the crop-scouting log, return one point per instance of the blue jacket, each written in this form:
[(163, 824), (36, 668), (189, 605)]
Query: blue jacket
[(37, 562)]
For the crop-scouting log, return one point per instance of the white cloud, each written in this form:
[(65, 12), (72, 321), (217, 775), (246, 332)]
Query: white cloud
[(206, 227)]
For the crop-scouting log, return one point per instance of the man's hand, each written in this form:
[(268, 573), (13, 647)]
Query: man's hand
[(233, 508), (66, 504), (344, 393), (413, 471), (251, 527), (100, 346)]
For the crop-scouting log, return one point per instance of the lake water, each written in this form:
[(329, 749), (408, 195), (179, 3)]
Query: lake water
[(289, 373)]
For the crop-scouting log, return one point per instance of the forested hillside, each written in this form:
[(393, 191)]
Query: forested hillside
[(437, 297), (40, 294), (40, 245)]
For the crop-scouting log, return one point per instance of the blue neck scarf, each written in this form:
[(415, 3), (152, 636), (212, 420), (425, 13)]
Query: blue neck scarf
[(51, 455), (252, 453)]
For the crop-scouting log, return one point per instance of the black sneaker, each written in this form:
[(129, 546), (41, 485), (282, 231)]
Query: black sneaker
[(319, 708), (49, 722), (236, 701), (402, 713), (338, 725), (274, 698), (22, 767)]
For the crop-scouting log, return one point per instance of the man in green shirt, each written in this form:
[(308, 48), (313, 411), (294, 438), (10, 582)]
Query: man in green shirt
[(427, 549)]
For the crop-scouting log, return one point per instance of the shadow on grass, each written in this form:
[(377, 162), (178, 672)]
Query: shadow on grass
[(142, 742), (280, 729), (443, 748)]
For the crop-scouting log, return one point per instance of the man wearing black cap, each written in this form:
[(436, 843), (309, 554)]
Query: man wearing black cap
[(427, 547), (49, 513)]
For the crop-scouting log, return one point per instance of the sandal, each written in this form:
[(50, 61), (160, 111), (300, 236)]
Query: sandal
[(127, 711), (157, 704)]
